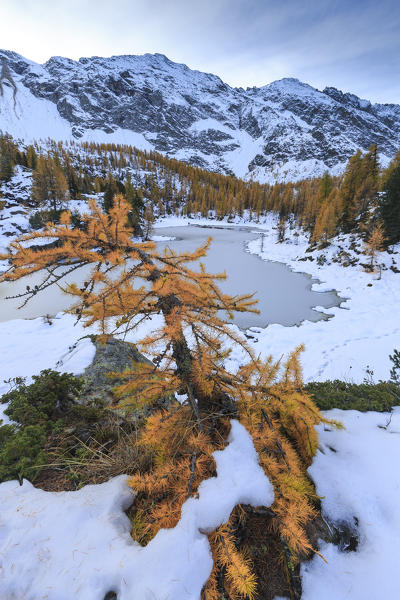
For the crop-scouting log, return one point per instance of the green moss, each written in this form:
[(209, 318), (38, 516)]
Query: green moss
[(380, 397)]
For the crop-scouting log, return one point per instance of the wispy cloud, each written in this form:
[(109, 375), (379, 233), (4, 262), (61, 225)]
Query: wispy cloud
[(353, 45)]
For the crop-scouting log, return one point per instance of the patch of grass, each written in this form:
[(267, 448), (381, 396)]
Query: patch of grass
[(380, 397)]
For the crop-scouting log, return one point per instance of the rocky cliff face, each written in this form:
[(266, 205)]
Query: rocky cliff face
[(286, 129)]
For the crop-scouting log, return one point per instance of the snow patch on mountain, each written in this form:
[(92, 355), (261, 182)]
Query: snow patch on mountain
[(32, 118), (284, 130)]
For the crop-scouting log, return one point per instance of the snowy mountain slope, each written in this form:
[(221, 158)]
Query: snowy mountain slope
[(14, 206), (283, 130)]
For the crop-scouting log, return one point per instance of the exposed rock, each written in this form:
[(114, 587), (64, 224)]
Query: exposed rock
[(343, 534), (113, 356), (286, 129)]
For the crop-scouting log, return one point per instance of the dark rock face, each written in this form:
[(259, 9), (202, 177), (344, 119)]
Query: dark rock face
[(284, 129)]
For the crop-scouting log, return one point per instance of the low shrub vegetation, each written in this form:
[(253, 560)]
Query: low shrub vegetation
[(380, 397), (59, 443)]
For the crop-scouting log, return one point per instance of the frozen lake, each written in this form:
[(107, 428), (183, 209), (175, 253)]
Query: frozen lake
[(283, 296)]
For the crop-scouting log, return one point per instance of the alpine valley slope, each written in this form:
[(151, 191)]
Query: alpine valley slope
[(284, 130)]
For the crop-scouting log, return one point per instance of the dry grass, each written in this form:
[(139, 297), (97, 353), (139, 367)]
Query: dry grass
[(112, 449)]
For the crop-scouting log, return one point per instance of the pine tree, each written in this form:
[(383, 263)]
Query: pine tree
[(31, 158), (135, 198), (389, 201), (366, 196), (348, 190), (110, 191), (325, 187), (371, 161), (6, 167)]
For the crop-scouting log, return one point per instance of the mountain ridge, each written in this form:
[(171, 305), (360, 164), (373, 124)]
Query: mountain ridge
[(286, 129)]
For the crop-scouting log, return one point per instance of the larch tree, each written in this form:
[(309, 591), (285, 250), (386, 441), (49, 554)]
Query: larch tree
[(49, 186), (327, 218), (375, 243), (128, 283)]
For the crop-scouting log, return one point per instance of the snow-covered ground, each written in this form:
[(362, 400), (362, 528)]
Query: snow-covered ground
[(28, 346), (363, 331), (356, 473), (77, 544), (14, 215)]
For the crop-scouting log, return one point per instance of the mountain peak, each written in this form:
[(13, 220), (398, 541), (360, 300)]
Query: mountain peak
[(284, 130), (286, 85), (347, 98)]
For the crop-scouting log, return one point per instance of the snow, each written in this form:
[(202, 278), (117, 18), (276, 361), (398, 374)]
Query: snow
[(29, 346), (162, 238), (240, 158), (75, 540), (207, 124), (282, 115), (118, 136), (294, 170), (14, 216), (36, 119), (32, 118), (79, 543), (352, 473), (363, 330), (79, 356), (293, 87), (360, 334), (359, 480), (248, 147)]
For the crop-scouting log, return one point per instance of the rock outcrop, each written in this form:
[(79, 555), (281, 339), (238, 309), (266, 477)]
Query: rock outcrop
[(283, 130)]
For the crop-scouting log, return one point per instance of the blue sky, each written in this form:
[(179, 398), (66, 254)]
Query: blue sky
[(353, 45)]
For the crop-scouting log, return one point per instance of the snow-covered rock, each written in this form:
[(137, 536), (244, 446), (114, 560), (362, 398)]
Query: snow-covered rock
[(284, 130)]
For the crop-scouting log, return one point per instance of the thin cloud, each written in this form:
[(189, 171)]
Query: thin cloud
[(354, 46)]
